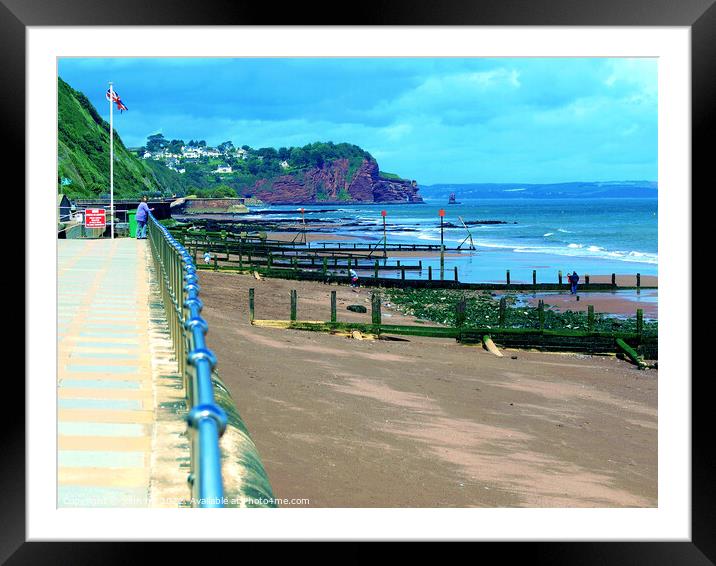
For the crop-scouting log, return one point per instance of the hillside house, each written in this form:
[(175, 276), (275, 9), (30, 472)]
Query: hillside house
[(223, 169), (63, 208)]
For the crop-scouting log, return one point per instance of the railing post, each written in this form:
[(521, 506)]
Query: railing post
[(508, 277), (559, 277), (503, 308), (334, 317), (590, 318), (456, 279), (534, 277), (430, 272), (375, 269)]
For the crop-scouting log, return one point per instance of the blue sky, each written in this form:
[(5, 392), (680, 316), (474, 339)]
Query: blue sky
[(436, 120)]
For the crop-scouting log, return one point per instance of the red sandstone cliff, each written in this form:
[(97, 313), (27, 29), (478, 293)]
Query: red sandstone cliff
[(331, 184)]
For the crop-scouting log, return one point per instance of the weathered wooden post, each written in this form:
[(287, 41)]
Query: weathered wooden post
[(503, 309), (460, 312), (241, 255), (294, 301), (251, 304), (586, 279), (614, 279), (540, 313), (456, 279), (269, 260), (402, 274), (375, 309), (324, 270), (375, 269), (216, 263), (639, 322), (534, 277), (559, 277), (249, 259), (334, 317), (420, 264), (294, 261), (430, 272), (638, 279), (508, 277), (590, 318)]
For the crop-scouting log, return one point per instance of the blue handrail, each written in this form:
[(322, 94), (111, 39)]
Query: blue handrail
[(179, 285)]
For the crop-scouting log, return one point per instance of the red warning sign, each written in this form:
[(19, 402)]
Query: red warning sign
[(95, 218), (383, 213), (441, 212)]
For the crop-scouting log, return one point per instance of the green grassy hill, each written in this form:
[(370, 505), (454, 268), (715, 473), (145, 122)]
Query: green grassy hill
[(83, 155)]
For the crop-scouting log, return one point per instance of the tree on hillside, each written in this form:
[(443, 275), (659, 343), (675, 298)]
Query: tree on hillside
[(225, 147), (175, 146), (267, 152), (156, 142)]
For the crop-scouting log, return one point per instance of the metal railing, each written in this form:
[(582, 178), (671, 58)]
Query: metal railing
[(206, 421)]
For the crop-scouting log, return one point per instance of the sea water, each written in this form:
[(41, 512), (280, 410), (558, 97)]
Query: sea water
[(587, 235)]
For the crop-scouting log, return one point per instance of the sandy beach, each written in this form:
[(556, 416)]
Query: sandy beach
[(426, 422)]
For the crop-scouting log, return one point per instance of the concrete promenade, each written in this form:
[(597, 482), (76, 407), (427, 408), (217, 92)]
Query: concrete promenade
[(121, 438)]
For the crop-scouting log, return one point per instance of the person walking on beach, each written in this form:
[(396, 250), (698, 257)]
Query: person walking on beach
[(574, 281), (142, 217), (354, 279)]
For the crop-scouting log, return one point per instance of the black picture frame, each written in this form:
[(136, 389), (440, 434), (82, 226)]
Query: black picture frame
[(698, 15)]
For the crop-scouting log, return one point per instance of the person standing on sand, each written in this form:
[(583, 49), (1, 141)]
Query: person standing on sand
[(354, 279), (574, 280), (142, 217)]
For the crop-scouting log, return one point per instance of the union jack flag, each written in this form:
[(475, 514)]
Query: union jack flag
[(114, 97)]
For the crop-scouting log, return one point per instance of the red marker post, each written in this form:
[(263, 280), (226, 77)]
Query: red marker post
[(441, 212), (383, 213)]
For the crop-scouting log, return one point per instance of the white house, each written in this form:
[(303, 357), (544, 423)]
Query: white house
[(223, 169), (191, 154), (147, 155), (284, 164), (242, 153)]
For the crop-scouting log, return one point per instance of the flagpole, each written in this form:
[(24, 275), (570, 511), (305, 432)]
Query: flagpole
[(111, 162)]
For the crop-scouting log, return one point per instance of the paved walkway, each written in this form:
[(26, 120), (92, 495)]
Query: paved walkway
[(121, 439)]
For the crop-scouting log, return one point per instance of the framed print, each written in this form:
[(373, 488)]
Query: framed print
[(324, 244)]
